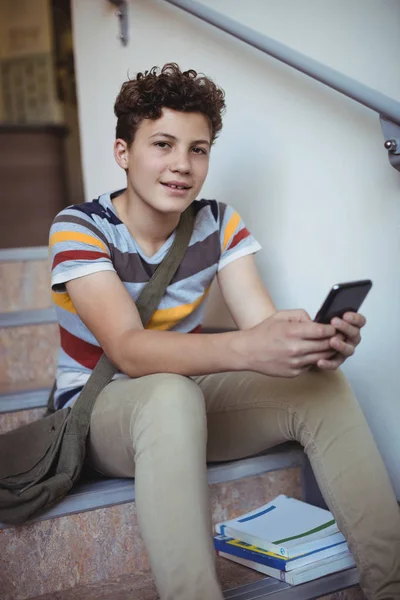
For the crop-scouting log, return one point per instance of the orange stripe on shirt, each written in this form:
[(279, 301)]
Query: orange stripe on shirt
[(166, 318), (76, 236), (63, 300), (230, 228)]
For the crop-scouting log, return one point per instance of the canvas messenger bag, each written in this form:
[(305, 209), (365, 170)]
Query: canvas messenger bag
[(41, 461)]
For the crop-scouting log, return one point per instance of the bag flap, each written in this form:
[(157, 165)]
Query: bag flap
[(23, 450)]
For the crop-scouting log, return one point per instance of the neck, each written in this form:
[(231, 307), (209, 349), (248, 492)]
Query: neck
[(149, 227)]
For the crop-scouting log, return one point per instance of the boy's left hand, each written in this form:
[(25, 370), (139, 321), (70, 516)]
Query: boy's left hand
[(345, 341)]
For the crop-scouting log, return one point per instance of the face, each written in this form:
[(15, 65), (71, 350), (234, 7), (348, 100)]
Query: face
[(167, 162)]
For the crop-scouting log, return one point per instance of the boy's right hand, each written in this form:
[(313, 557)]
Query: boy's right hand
[(286, 344)]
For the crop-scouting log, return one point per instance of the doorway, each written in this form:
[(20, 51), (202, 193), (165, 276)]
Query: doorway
[(40, 161)]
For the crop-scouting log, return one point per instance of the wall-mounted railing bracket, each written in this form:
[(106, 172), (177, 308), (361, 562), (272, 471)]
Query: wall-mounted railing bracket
[(122, 14), (391, 133)]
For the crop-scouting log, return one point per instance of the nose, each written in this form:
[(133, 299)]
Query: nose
[(180, 162)]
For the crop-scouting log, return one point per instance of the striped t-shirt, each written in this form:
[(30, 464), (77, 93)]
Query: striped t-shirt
[(89, 237)]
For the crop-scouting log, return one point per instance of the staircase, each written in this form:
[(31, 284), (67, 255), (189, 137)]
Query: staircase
[(89, 546)]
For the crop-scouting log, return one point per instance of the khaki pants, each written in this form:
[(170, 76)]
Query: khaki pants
[(162, 429)]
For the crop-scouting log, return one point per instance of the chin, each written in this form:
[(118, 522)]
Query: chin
[(172, 205)]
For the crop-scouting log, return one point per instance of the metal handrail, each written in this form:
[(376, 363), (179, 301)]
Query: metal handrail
[(386, 107)]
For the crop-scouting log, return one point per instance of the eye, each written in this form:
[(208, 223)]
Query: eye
[(198, 150), (162, 145)]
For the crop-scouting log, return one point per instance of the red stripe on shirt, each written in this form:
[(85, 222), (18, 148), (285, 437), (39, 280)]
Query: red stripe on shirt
[(84, 353), (77, 255), (196, 329), (241, 235)]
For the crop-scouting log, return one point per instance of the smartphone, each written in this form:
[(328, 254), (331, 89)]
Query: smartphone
[(343, 297)]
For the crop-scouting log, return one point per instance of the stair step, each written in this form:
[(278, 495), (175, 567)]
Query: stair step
[(29, 356), (28, 253), (238, 583), (103, 492), (23, 400), (37, 316), (13, 420), (97, 525), (19, 406), (24, 279)]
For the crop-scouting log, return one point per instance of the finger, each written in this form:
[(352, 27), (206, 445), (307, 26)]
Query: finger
[(343, 347), (340, 336), (312, 359), (355, 319), (314, 331), (350, 331), (330, 365), (308, 347)]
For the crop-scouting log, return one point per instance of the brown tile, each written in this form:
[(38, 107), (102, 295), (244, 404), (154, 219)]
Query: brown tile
[(28, 356), (127, 587), (24, 285), (77, 549), (105, 544), (9, 421), (140, 586), (232, 575)]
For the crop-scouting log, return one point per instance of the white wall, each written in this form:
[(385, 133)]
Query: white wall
[(304, 165)]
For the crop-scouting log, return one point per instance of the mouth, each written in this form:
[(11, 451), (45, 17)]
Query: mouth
[(176, 186)]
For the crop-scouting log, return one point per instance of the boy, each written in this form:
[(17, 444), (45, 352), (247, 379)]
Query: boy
[(247, 390)]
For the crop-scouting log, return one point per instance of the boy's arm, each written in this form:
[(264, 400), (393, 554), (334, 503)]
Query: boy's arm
[(244, 293), (281, 345), (104, 305)]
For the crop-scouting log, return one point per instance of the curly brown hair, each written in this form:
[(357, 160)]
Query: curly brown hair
[(145, 96)]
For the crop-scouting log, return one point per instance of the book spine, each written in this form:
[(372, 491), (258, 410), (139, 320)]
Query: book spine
[(302, 576), (286, 552), (269, 561), (235, 547), (254, 541), (295, 577)]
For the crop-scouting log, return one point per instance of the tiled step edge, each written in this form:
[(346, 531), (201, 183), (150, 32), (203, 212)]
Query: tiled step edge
[(21, 318), (108, 492), (24, 400), (30, 253), (273, 588)]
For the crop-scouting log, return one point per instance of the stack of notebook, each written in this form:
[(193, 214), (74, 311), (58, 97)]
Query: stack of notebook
[(287, 539)]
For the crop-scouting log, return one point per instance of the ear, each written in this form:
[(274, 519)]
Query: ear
[(121, 153)]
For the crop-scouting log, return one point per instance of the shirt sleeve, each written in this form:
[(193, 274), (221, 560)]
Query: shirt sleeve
[(77, 248), (236, 239)]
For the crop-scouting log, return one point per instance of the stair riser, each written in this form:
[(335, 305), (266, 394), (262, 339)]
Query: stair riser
[(24, 285), (105, 543), (141, 587), (28, 356)]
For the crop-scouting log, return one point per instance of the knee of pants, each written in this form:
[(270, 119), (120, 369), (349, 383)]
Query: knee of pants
[(173, 414)]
